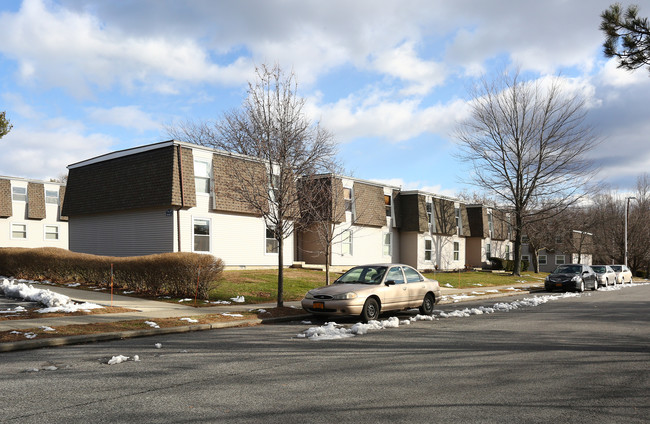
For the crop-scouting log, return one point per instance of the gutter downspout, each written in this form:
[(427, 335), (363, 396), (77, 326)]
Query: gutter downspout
[(178, 211)]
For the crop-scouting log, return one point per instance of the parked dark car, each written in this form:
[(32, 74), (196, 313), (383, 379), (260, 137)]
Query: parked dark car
[(571, 277)]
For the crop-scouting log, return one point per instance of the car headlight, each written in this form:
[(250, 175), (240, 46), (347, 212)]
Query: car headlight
[(345, 296), (309, 295), (576, 278), (547, 278)]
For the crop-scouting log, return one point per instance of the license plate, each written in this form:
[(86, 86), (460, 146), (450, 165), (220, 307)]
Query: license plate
[(558, 285), (318, 305)]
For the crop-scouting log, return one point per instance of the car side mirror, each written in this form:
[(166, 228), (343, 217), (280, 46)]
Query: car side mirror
[(390, 283)]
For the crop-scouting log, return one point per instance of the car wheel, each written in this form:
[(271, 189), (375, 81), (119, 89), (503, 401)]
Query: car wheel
[(582, 286), (427, 304), (370, 310), (595, 287)]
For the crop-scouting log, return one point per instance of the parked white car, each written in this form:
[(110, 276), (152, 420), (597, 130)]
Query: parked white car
[(606, 275), (623, 274)]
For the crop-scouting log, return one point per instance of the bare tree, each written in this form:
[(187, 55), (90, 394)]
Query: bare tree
[(329, 216), (527, 142), (271, 126)]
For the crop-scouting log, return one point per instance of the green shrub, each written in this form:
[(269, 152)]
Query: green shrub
[(496, 263), (172, 274), (639, 273)]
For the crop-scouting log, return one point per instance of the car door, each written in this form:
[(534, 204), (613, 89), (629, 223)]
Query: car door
[(396, 294), (416, 286)]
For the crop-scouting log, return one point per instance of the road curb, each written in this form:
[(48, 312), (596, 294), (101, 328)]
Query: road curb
[(91, 338), (118, 335)]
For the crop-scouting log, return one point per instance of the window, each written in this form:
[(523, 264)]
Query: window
[(272, 245), (387, 245), (51, 232), (52, 196), (490, 224), (202, 176), (346, 243), (559, 260), (18, 231), (431, 217), (542, 259), (395, 275), (459, 222), (388, 202), (427, 249), (274, 186), (507, 252), (524, 239), (347, 197), (525, 258), (412, 276), (201, 235), (488, 250), (456, 251), (19, 193)]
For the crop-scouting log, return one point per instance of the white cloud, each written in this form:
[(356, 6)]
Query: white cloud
[(77, 51), (124, 116), (46, 152)]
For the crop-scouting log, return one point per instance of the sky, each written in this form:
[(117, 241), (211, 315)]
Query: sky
[(390, 79)]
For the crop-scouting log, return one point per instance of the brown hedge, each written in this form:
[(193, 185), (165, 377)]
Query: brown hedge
[(171, 274)]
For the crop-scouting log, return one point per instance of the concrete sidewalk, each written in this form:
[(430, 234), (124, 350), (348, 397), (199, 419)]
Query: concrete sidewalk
[(150, 310)]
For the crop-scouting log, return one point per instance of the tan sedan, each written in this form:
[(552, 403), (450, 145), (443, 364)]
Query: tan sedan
[(370, 289), (623, 274)]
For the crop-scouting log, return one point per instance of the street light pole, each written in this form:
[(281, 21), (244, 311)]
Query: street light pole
[(627, 207)]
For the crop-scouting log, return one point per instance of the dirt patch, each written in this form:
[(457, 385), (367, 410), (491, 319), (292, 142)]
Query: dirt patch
[(33, 314), (143, 324)]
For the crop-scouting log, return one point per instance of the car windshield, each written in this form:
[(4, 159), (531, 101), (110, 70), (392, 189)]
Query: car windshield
[(362, 275), (568, 269), (617, 268), (599, 269)]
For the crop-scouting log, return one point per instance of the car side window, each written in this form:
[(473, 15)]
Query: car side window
[(412, 276), (395, 274)]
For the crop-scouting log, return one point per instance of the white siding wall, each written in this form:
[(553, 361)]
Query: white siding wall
[(442, 253), (367, 246), (127, 233), (35, 227), (239, 240)]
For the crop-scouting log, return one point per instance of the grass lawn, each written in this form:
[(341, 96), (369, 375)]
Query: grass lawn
[(259, 286), (473, 279)]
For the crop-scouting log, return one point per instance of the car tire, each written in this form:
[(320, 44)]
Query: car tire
[(370, 310), (581, 288), (595, 287), (427, 304)]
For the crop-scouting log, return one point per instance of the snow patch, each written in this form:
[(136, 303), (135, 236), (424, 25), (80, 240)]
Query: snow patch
[(238, 299), (54, 302), (152, 324), (189, 320)]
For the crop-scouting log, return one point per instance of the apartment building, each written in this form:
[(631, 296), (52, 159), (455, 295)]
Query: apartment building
[(167, 197), (433, 230), (490, 235), (567, 247), (30, 213)]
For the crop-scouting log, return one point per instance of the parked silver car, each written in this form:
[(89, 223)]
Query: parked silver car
[(370, 289), (606, 275), (623, 273)]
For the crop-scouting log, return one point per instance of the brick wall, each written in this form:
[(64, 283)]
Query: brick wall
[(61, 199), (5, 198), (369, 204), (139, 180), (445, 216), (188, 187), (413, 213), (478, 226), (35, 201), (239, 185)]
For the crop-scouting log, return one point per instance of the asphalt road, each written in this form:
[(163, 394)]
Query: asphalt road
[(583, 359)]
